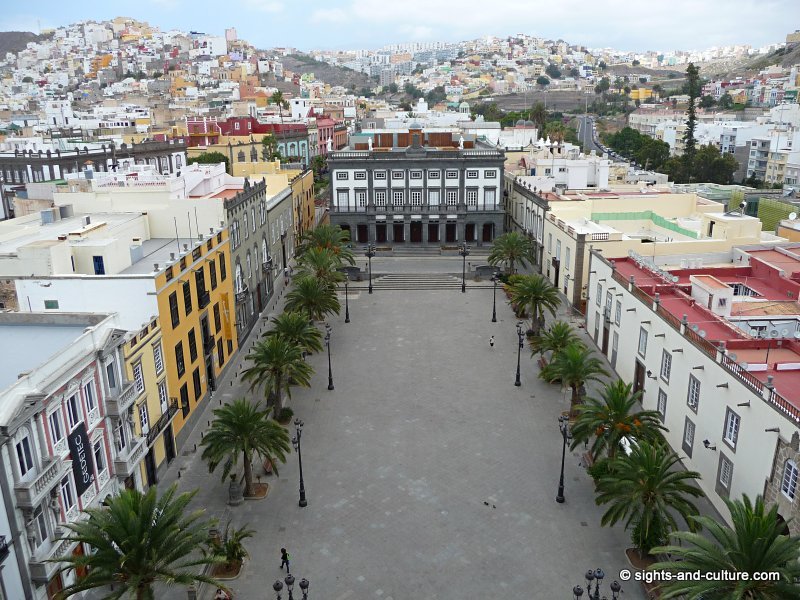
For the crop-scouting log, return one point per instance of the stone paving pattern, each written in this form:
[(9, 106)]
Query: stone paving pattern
[(423, 429)]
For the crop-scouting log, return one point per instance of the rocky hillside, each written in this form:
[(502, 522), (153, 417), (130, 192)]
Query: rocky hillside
[(302, 63), (14, 41)]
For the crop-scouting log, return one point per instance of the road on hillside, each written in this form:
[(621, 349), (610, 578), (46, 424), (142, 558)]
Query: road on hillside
[(587, 135)]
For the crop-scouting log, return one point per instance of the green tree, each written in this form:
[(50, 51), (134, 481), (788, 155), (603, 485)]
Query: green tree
[(602, 65), (436, 95), (657, 90), (553, 71), (542, 81), (557, 337), (322, 264), (277, 364), (690, 145), (328, 237), (295, 329), (393, 89), (573, 72), (710, 165), (707, 102), (270, 148), (537, 296), (136, 541), (608, 420), (636, 63), (230, 546), (754, 544), (278, 100), (574, 367), (210, 158), (513, 249), (242, 429), (646, 489), (313, 297), (725, 102), (538, 115)]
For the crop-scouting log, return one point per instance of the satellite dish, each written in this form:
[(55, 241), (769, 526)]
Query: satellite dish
[(744, 365), (784, 333), (797, 335), (792, 216), (695, 327), (773, 333), (753, 333), (702, 333), (674, 279), (732, 356)]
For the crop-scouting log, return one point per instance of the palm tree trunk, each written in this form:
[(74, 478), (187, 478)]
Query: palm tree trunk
[(278, 407), (512, 266), (144, 592), (248, 476), (574, 401)]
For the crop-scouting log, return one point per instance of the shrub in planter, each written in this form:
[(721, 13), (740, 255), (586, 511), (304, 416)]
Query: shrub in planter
[(599, 469), (284, 415), (230, 549)]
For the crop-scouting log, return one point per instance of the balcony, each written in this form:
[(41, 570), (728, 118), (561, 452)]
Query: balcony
[(241, 296), (42, 571), (4, 551), (117, 405), (126, 461), (203, 299), (162, 422), (31, 493)]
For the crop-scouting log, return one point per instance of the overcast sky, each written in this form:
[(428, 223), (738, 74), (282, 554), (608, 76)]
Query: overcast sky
[(350, 24)]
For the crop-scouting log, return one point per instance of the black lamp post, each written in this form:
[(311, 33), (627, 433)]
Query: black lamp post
[(464, 252), (370, 254), (303, 584), (346, 302), (597, 576), (298, 429), (517, 382), (328, 346), (494, 296), (563, 425)]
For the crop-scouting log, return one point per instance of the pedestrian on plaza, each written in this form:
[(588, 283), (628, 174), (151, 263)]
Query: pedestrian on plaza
[(221, 595), (286, 276), (491, 341), (285, 559)]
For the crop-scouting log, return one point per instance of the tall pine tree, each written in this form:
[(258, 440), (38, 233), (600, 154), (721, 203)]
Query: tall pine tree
[(690, 146)]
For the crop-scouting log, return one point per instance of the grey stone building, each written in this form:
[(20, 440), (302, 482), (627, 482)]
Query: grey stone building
[(436, 188), (262, 243)]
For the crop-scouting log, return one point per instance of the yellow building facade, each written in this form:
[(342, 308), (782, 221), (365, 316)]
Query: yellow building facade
[(303, 202), (196, 305)]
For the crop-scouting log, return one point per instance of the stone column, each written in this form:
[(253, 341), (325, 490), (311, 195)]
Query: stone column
[(407, 231)]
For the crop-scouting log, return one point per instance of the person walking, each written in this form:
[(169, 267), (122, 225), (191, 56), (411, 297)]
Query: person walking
[(285, 559), (491, 341)]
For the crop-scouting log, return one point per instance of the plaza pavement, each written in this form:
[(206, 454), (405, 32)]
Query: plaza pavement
[(423, 430)]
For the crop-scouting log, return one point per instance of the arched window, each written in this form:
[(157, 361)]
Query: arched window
[(264, 251), (789, 479), (240, 156), (253, 218), (244, 223), (249, 265), (238, 278), (253, 154)]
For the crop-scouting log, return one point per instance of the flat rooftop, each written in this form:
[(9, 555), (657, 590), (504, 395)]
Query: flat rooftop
[(158, 250)]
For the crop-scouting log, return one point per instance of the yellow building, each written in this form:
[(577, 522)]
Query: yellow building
[(641, 94), (196, 305), (145, 368), (303, 202)]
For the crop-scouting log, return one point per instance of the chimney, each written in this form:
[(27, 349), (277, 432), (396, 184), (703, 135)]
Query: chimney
[(172, 256), (155, 267)]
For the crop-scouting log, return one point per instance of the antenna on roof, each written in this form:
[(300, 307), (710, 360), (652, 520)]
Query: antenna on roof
[(177, 237)]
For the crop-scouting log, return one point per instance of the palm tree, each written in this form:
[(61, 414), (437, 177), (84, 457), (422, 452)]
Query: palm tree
[(332, 237), (278, 99), (138, 540), (295, 328), (243, 429), (322, 264), (574, 366), (511, 248), (614, 418), (536, 294), (538, 115), (646, 488), (554, 340), (314, 297), (277, 364), (755, 544)]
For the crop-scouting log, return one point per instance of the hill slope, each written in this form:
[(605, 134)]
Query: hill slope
[(302, 63), (14, 41)]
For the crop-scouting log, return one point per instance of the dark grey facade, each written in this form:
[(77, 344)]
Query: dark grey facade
[(418, 196)]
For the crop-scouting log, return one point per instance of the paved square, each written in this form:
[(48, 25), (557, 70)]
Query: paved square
[(428, 473)]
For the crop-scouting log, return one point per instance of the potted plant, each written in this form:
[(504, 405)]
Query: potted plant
[(230, 549)]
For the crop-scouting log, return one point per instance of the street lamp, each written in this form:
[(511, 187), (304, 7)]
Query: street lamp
[(464, 252), (346, 302), (370, 254), (298, 433), (519, 350), (303, 584), (596, 576), (328, 345), (495, 277), (563, 425)]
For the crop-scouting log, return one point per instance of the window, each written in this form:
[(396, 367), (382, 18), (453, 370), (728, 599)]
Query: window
[(789, 479), (163, 397), (99, 266), (342, 199), (434, 174), (56, 427), (144, 418), (196, 384), (666, 365), (40, 523), (472, 197), (244, 225), (184, 400), (88, 395), (217, 322), (451, 175), (416, 198), (361, 198), (688, 437), (472, 174), (490, 174), (120, 436), (397, 198), (433, 197), (179, 359), (693, 397), (51, 304), (138, 378), (380, 198), (489, 197), (360, 175), (212, 267), (192, 346), (731, 433), (67, 493), (73, 411), (661, 405), (599, 295), (24, 456), (451, 197), (158, 358), (342, 175), (642, 342), (416, 174), (398, 175), (380, 175), (99, 456), (111, 374), (558, 249), (567, 261), (725, 475), (173, 309), (223, 269)]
